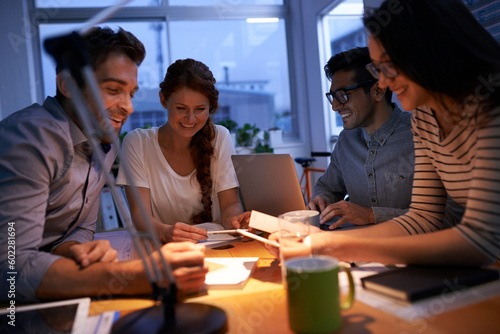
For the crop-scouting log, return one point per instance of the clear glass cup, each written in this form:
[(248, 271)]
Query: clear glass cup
[(293, 238)]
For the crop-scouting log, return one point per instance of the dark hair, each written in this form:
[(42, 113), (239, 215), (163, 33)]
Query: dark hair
[(440, 46), (197, 76), (101, 42), (354, 60)]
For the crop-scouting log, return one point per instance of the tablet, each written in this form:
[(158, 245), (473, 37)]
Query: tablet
[(67, 316)]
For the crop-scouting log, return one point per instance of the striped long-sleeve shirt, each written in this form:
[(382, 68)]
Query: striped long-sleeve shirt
[(464, 166)]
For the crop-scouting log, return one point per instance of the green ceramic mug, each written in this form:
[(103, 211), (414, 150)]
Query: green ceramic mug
[(313, 294)]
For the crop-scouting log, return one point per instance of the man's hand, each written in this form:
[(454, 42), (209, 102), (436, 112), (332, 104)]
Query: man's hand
[(183, 232), (87, 253), (350, 213), (240, 221), (318, 203), (187, 262)]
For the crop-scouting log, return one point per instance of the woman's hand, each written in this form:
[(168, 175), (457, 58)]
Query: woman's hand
[(240, 221), (183, 232)]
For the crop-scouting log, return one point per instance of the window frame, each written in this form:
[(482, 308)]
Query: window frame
[(168, 14)]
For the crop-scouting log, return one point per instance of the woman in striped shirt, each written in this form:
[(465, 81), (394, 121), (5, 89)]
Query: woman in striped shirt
[(441, 63)]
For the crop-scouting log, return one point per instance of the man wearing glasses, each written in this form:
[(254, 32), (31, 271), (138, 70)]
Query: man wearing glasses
[(373, 160)]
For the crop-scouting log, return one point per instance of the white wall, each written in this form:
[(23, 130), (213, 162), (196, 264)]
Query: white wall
[(18, 86)]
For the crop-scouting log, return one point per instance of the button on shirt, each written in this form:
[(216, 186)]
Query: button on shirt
[(375, 170), (49, 189)]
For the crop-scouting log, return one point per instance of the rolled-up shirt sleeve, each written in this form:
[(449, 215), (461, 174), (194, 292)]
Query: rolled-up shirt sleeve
[(331, 185)]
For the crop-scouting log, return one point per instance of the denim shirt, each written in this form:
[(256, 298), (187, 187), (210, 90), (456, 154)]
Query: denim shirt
[(374, 170)]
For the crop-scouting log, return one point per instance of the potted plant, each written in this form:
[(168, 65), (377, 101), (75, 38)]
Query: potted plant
[(263, 145), (275, 136), (245, 138), (229, 124), (276, 132)]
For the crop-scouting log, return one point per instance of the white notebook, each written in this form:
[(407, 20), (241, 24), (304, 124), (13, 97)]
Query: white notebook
[(229, 272)]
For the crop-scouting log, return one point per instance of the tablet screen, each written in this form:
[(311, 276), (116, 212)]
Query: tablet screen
[(66, 316)]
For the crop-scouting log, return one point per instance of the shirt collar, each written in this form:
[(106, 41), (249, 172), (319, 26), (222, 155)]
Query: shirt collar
[(387, 128), (77, 135)]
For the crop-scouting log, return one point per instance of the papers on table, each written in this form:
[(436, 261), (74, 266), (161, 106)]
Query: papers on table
[(217, 239), (263, 222), (229, 272)]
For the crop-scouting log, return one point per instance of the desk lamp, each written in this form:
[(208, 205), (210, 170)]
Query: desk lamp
[(168, 315)]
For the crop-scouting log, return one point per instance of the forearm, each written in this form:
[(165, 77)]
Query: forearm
[(231, 210), (65, 279), (323, 190), (331, 184), (63, 249), (163, 231), (442, 247), (230, 206)]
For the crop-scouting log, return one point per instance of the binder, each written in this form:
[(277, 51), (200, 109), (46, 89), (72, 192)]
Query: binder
[(109, 216)]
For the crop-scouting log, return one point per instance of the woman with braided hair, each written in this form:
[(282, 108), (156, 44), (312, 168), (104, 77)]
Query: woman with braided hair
[(183, 169)]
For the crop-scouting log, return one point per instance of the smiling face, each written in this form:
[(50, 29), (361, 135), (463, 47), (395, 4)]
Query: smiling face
[(188, 111), (359, 110), (410, 94), (117, 80)]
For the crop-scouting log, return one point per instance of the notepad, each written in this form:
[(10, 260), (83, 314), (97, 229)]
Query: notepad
[(229, 272), (413, 283), (217, 240), (263, 222)]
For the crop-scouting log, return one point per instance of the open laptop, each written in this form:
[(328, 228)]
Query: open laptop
[(268, 183)]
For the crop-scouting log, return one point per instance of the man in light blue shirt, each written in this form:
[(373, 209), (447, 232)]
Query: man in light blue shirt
[(373, 160)]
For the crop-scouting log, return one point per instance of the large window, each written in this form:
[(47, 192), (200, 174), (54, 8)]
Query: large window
[(91, 3), (148, 110), (249, 61), (342, 30), (247, 54), (138, 3)]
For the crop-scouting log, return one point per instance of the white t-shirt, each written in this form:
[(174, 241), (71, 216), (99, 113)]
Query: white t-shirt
[(175, 198)]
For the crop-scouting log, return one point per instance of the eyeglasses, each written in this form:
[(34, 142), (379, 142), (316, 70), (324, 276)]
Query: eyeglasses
[(341, 94), (386, 67)]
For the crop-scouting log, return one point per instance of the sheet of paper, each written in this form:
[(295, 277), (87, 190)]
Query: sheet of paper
[(217, 240), (229, 272), (101, 323), (270, 224), (263, 222)]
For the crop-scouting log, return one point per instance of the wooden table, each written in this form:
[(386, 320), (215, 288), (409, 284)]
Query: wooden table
[(260, 307)]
